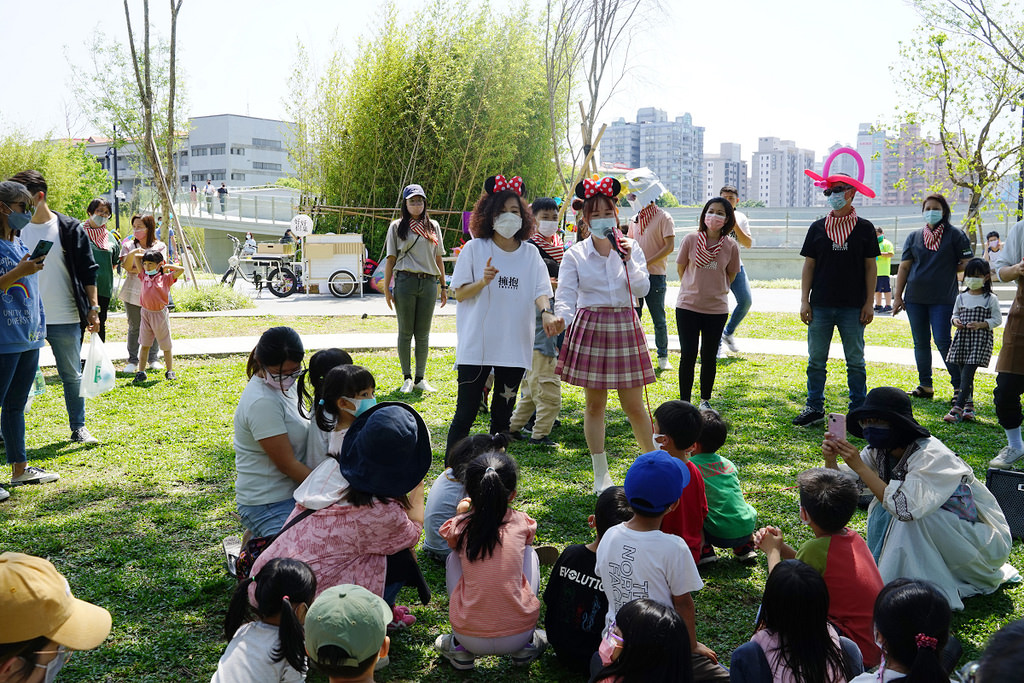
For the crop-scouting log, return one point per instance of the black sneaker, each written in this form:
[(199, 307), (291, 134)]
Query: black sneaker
[(140, 377), (82, 435), (808, 416), (515, 435), (542, 441)]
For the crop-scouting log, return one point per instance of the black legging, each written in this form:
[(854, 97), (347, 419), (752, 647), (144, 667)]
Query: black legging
[(707, 329), (471, 385)]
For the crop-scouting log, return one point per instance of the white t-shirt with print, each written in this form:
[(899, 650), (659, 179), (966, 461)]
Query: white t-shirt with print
[(54, 279), (248, 657), (496, 327), (644, 564)]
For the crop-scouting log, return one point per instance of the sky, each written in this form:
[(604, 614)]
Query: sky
[(801, 70)]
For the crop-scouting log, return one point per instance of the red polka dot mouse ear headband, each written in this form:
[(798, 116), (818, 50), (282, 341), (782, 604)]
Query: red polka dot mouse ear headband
[(607, 187), (499, 183), (826, 181)]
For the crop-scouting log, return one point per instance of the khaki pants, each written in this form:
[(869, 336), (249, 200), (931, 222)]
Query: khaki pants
[(541, 392)]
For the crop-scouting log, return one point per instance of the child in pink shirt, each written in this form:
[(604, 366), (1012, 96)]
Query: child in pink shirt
[(156, 278), (492, 571)]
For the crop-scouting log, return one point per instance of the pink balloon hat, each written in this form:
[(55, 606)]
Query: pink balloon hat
[(830, 180)]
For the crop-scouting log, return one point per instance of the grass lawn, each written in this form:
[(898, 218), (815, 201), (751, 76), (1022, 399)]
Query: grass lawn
[(136, 522), (883, 331)]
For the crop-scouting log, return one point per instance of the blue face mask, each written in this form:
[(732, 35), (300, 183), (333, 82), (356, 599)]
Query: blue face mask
[(837, 200), (602, 227), (361, 404), (932, 216), (18, 221), (877, 436)]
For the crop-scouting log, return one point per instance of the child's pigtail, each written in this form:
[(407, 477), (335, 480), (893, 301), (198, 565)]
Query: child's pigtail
[(238, 609), (291, 637)]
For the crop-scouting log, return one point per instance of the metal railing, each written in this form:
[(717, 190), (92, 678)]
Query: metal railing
[(253, 208)]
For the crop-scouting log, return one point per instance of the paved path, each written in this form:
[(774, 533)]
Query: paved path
[(764, 300)]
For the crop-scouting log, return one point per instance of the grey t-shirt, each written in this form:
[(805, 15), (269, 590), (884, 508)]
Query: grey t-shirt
[(415, 253), (442, 499), (264, 412), (932, 278)]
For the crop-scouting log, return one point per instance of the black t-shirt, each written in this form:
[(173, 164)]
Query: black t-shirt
[(222, 191), (839, 269), (576, 606), (932, 276)]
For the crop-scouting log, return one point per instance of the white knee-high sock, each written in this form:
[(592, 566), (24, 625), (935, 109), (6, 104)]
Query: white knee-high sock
[(601, 478)]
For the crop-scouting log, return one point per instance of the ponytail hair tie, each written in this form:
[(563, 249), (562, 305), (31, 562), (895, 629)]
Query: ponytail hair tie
[(926, 642), (320, 402), (489, 469), (285, 598)]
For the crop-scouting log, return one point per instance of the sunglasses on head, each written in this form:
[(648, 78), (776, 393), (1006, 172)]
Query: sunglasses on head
[(839, 189)]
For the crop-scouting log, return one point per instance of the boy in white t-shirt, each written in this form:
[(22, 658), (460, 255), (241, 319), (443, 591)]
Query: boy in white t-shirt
[(637, 560)]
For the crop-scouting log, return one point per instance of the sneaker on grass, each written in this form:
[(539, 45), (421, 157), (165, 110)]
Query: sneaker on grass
[(663, 363), (544, 441), (4, 494), (1006, 458), (34, 475), (707, 555), (531, 652), (808, 416), (424, 386), (459, 657), (730, 341), (82, 435), (407, 386), (746, 553)]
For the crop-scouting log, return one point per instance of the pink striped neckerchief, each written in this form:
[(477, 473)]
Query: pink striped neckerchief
[(838, 228)]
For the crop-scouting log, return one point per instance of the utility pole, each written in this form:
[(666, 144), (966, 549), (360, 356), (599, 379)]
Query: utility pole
[(112, 158)]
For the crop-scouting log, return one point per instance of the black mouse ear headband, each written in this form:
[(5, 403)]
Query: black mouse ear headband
[(607, 186), (499, 183)]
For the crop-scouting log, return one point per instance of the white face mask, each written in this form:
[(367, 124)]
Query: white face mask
[(508, 224), (547, 228), (98, 220)]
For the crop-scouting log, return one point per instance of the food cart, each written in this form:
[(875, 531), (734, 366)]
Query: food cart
[(333, 263)]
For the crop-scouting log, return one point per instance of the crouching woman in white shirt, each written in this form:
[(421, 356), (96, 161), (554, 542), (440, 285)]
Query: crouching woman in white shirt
[(497, 282), (598, 286)]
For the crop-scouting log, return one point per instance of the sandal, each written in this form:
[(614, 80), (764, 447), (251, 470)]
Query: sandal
[(921, 392)]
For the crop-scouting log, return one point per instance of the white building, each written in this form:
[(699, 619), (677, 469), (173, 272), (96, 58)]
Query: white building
[(240, 151), (725, 168), (777, 174), (672, 149)]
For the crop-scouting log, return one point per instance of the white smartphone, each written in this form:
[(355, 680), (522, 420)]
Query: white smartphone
[(836, 427)]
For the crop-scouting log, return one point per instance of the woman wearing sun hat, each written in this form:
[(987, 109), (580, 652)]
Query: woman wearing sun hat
[(414, 251), (41, 623), (931, 518)]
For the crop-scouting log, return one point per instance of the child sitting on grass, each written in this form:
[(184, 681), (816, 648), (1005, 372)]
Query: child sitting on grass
[(346, 634), (828, 500), (637, 560), (575, 599), (731, 520), (448, 489), (157, 278), (677, 427)]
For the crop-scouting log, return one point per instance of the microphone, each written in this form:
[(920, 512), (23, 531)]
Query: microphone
[(614, 236)]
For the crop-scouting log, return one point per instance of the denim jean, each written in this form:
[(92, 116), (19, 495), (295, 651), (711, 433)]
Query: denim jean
[(17, 374), (414, 308), (819, 338), (655, 300), (928, 321), (741, 290), (265, 520), (66, 342)]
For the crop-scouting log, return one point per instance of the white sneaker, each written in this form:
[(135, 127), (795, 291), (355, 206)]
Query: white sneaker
[(705, 405), (407, 386), (131, 368), (34, 475), (4, 494), (156, 366), (663, 363), (1006, 458), (730, 341), (424, 386)]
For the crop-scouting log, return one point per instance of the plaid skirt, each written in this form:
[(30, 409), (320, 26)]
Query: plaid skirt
[(605, 348), (972, 347)]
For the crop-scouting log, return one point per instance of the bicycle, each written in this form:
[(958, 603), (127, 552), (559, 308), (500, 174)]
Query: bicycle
[(266, 270)]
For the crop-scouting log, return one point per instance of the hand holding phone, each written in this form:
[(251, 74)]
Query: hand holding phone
[(42, 249), (836, 427)]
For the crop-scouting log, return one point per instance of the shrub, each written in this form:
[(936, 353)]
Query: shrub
[(215, 297)]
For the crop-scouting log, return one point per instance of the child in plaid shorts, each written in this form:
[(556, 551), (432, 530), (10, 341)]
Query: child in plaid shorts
[(975, 314)]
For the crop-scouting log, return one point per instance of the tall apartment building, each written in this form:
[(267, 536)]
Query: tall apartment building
[(240, 151), (725, 168), (872, 147), (777, 174), (672, 149)]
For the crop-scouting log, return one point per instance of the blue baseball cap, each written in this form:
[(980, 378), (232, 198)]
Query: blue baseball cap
[(654, 481), (413, 191)]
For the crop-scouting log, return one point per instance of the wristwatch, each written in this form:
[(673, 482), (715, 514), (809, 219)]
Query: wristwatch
[(94, 308)]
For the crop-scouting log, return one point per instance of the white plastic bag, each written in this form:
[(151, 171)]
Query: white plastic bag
[(98, 376)]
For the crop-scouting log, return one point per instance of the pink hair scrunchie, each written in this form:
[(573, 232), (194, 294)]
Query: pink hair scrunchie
[(926, 641)]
